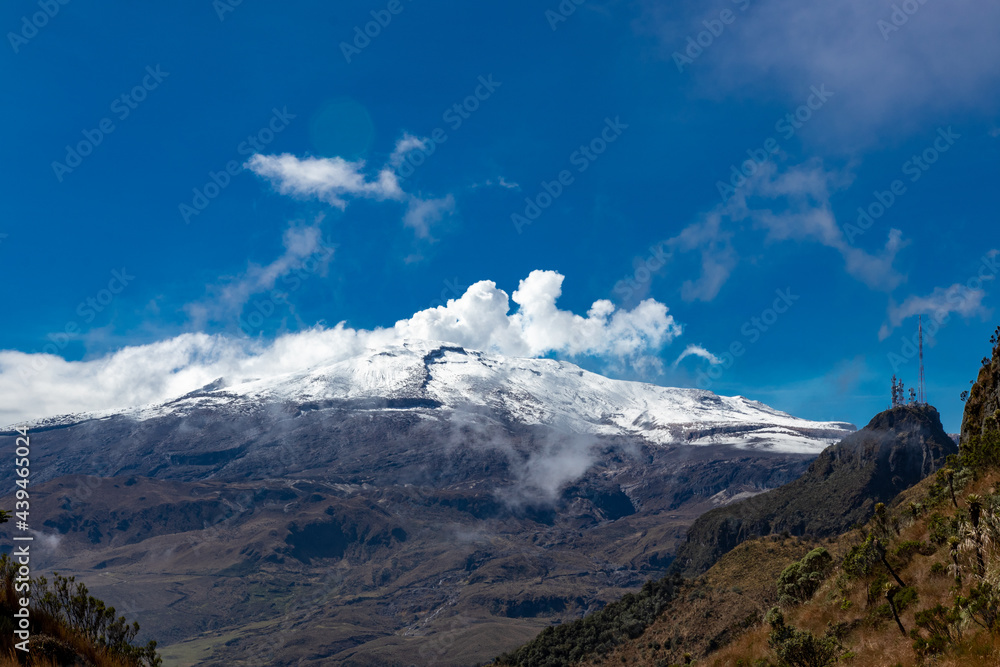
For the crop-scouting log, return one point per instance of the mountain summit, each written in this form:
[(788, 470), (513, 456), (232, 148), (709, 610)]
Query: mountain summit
[(447, 381)]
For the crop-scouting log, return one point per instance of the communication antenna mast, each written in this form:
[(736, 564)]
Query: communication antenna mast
[(921, 389)]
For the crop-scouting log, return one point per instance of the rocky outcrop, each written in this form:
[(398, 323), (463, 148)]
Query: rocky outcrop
[(898, 448), (982, 408)]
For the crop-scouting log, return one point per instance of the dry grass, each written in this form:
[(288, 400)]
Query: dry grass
[(44, 625), (745, 580)]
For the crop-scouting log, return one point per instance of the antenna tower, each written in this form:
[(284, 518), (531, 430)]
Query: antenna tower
[(921, 390)]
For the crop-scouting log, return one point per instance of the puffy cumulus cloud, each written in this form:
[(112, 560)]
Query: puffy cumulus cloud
[(481, 319), (931, 59), (37, 385), (336, 181), (792, 204), (939, 304)]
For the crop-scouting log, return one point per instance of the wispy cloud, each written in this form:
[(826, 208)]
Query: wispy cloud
[(226, 299), (790, 205), (697, 351), (941, 59), (404, 146), (499, 182), (943, 301), (422, 213)]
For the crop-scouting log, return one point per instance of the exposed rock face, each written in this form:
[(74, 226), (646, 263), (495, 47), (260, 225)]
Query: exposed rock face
[(898, 448), (982, 409)]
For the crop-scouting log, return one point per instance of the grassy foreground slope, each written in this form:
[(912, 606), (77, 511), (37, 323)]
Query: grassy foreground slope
[(68, 626)]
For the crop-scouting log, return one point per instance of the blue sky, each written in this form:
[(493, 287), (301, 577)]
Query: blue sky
[(635, 115)]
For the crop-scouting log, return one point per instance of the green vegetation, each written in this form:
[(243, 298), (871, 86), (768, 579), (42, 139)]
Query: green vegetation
[(800, 580), (68, 623), (800, 648), (598, 633)]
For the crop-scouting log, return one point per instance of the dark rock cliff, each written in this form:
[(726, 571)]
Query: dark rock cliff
[(898, 448), (982, 409)]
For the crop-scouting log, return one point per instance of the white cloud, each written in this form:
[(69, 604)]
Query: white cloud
[(327, 179), (697, 351), (940, 303), (36, 385), (336, 181), (500, 182), (405, 145), (480, 319)]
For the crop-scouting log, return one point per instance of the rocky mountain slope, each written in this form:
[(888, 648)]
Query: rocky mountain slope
[(897, 449), (418, 500), (915, 585)]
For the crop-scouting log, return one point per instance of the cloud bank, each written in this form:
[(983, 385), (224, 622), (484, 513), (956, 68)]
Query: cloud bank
[(37, 385)]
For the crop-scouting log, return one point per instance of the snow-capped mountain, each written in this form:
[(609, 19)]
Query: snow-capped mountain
[(447, 382), (430, 480)]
